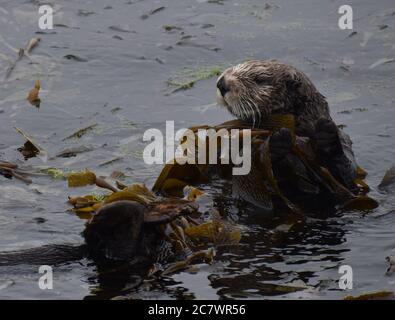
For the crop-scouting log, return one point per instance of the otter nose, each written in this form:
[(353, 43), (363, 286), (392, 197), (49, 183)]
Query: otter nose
[(221, 85)]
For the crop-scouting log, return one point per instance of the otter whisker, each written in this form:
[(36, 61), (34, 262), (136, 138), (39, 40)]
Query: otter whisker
[(254, 113), (244, 112), (258, 112)]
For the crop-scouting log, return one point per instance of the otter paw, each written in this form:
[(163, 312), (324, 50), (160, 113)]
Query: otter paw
[(280, 144), (327, 141)]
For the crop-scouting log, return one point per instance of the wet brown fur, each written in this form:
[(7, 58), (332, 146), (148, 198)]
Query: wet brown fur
[(258, 88)]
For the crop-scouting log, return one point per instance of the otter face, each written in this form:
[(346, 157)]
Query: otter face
[(251, 90)]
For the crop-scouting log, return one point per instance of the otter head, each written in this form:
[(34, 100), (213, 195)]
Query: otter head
[(254, 89)]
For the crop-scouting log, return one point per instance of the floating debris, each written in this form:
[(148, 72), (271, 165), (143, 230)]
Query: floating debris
[(10, 170), (4, 284), (152, 12), (391, 266), (32, 44), (31, 149), (352, 110), (60, 25), (388, 179), (216, 1), (312, 61), (85, 13), (191, 43), (73, 152), (380, 62), (344, 67), (115, 110), (55, 173), (169, 27), (33, 97), (121, 29), (106, 163), (21, 53), (81, 132), (117, 175), (354, 33), (75, 58), (188, 77)]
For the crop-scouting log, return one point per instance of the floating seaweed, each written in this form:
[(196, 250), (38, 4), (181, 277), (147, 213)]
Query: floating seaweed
[(81, 132), (261, 185), (188, 77), (10, 170), (379, 295), (33, 97)]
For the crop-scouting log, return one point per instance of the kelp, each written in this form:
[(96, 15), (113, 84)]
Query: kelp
[(214, 231), (203, 255), (10, 170), (81, 179), (349, 201), (268, 172), (171, 214), (90, 203), (361, 203), (192, 194), (172, 205), (165, 211), (126, 195), (379, 295), (261, 185), (85, 178), (174, 177)]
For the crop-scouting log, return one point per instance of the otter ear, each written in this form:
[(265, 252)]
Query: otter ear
[(292, 82)]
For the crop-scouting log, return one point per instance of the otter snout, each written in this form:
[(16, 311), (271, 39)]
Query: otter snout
[(222, 87)]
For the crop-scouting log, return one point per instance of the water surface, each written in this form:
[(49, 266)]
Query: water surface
[(119, 83)]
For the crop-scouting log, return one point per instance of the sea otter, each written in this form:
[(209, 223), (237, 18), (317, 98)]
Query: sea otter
[(255, 89)]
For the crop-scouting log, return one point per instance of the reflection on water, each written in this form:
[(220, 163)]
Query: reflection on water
[(109, 69)]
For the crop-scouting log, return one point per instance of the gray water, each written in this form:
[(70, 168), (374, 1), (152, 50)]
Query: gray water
[(120, 84)]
